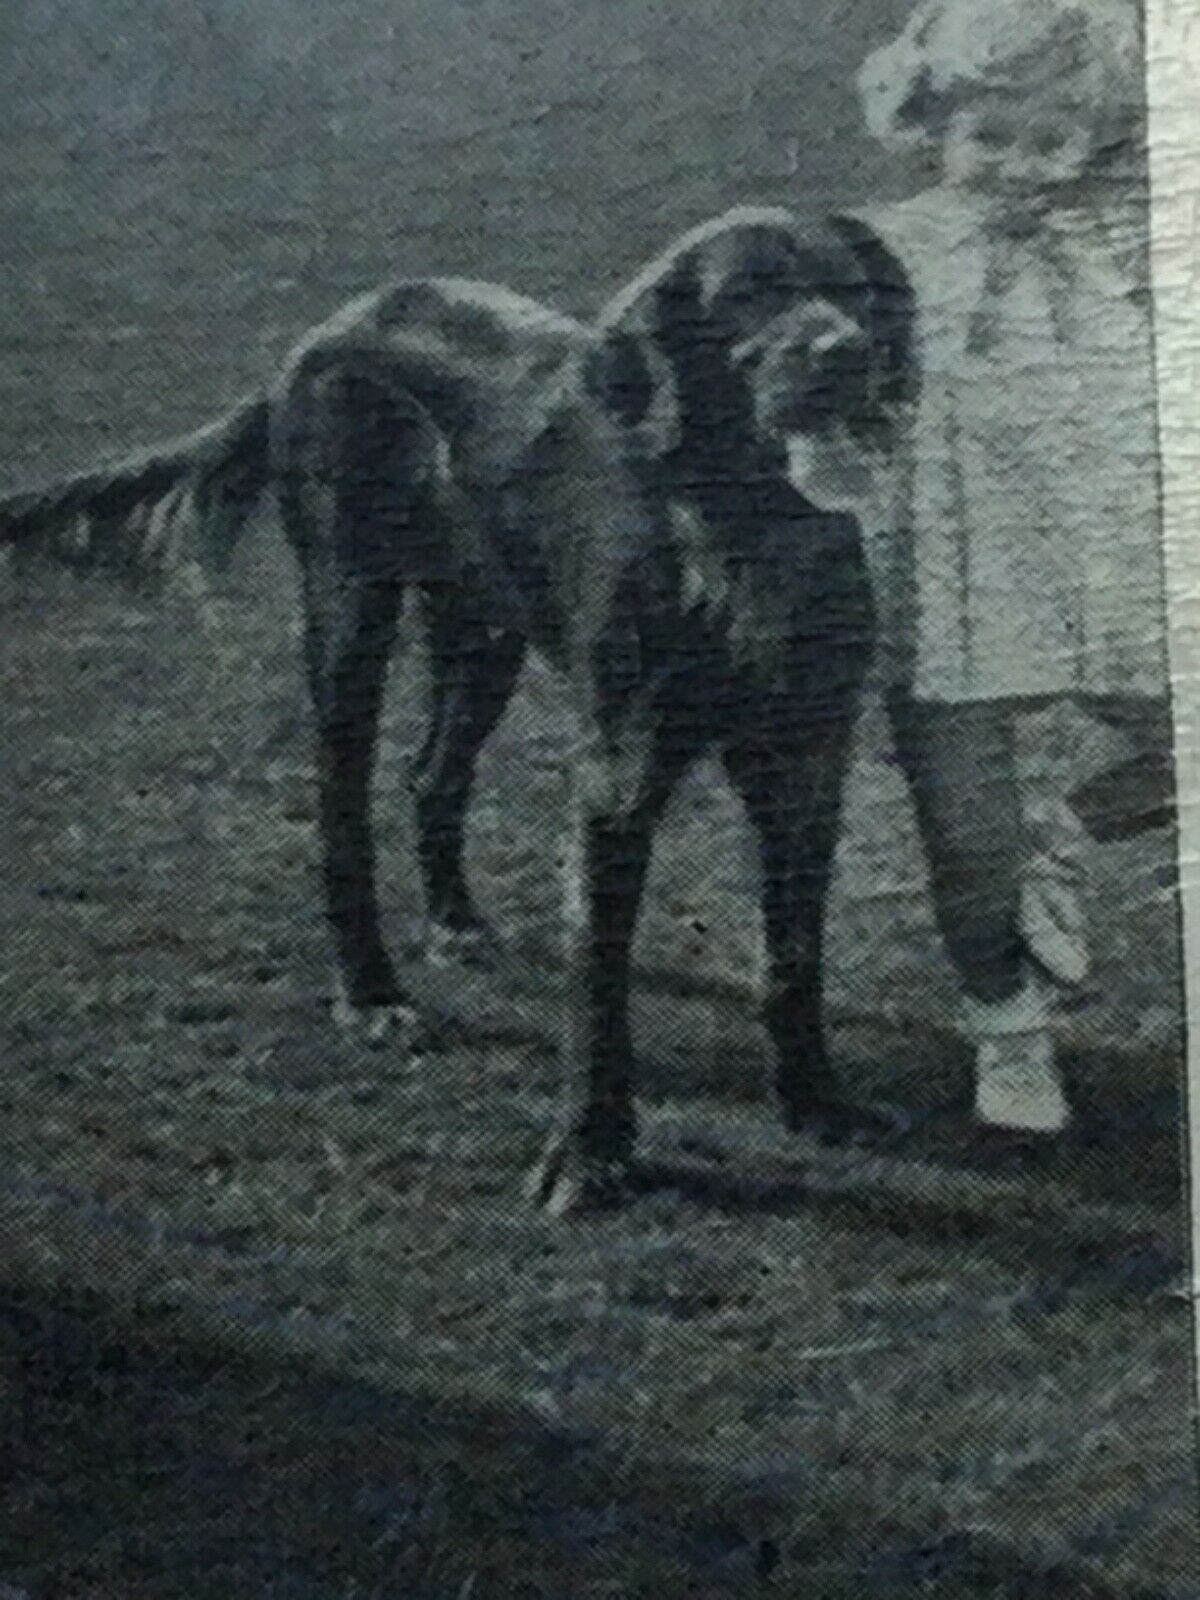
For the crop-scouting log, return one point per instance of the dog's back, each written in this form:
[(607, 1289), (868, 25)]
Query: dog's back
[(488, 365)]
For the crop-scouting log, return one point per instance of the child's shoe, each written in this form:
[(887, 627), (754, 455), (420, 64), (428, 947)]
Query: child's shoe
[(1017, 1083)]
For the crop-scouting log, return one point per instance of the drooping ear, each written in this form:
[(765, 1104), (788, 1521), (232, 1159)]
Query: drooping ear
[(884, 305), (634, 383), (617, 373)]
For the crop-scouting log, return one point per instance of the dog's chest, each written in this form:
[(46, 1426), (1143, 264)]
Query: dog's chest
[(741, 604), (703, 575)]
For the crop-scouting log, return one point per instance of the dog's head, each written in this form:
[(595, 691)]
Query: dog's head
[(759, 331)]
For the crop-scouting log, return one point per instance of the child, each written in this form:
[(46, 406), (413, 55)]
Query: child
[(1027, 559)]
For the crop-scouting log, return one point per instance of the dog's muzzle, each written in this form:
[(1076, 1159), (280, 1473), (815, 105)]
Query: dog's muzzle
[(810, 378)]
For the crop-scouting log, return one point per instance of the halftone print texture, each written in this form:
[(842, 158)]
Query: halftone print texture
[(595, 743)]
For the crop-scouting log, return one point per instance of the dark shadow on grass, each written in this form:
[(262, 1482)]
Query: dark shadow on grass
[(1071, 1255), (1130, 1149), (146, 1466)]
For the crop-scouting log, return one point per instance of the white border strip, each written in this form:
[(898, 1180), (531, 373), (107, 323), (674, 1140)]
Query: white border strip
[(1173, 77)]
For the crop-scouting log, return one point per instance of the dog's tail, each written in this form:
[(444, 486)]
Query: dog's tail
[(146, 515)]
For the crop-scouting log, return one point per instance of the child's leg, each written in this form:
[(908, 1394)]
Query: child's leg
[(960, 762)]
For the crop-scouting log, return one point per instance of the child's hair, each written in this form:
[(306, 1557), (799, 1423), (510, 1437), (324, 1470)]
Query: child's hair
[(1071, 62)]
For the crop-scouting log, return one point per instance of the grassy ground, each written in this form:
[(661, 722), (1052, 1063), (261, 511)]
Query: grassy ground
[(138, 1467), (775, 1364), (184, 1131)]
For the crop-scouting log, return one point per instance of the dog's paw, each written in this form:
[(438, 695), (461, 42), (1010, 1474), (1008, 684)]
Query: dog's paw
[(472, 944), (568, 1182), (392, 1027), (832, 1120)]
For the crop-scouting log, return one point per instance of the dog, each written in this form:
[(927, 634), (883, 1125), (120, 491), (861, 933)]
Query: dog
[(660, 504), (766, 366)]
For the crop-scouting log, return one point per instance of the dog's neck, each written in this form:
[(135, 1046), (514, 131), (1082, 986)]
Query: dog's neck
[(756, 522), (730, 482)]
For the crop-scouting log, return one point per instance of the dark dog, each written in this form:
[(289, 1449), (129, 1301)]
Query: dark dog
[(625, 500), (766, 367)]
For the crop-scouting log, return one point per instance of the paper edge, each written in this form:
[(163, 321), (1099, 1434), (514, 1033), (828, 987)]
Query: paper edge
[(1172, 70)]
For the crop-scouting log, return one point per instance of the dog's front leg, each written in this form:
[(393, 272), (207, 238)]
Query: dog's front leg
[(606, 855), (791, 782), (620, 787), (791, 786)]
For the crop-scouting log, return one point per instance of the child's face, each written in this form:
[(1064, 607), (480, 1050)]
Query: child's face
[(1002, 146)]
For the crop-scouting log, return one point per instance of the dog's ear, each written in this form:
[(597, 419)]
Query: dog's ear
[(884, 304), (633, 381), (617, 374)]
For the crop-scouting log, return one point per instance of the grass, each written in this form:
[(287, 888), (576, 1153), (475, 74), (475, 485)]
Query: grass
[(161, 1470), (185, 1135)]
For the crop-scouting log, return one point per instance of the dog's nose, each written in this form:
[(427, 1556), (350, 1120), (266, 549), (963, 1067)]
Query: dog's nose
[(801, 342), (800, 388)]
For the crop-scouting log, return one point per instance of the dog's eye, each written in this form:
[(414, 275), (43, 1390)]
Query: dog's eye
[(752, 299), (736, 300)]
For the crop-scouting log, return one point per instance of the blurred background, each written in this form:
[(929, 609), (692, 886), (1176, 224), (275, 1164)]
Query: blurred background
[(185, 187)]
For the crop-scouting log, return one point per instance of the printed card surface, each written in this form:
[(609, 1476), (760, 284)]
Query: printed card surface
[(599, 647)]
